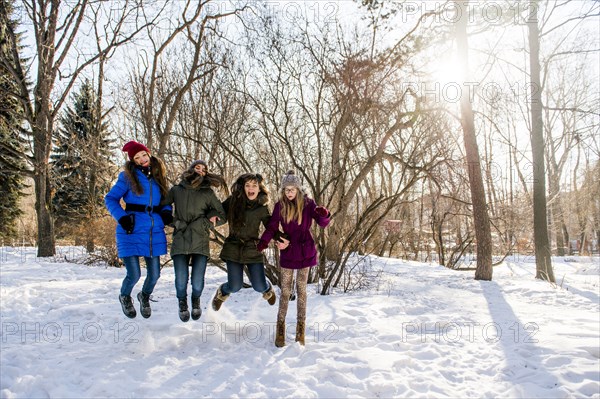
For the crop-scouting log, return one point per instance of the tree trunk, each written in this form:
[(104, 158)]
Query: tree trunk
[(556, 224), (90, 244), (582, 247), (481, 219), (566, 237), (43, 196), (42, 133), (557, 219), (543, 260)]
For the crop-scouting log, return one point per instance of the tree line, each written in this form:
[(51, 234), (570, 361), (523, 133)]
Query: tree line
[(405, 170)]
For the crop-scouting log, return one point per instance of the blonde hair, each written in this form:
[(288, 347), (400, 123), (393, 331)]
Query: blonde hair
[(292, 210)]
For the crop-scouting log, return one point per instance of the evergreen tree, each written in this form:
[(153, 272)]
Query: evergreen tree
[(80, 166), (12, 159)]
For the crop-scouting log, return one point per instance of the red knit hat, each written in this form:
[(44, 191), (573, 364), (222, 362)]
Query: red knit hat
[(133, 147)]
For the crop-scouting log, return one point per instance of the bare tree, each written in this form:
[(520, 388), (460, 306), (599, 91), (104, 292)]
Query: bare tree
[(480, 212), (543, 259), (569, 113), (213, 121), (56, 27), (448, 212), (176, 61), (339, 114)]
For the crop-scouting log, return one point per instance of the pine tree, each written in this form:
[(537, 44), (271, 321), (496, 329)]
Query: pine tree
[(12, 163), (80, 166)]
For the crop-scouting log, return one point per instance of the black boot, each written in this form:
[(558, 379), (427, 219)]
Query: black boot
[(127, 306), (196, 309), (144, 304), (184, 313)]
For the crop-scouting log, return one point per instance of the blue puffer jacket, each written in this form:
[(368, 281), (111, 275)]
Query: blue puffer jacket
[(148, 237)]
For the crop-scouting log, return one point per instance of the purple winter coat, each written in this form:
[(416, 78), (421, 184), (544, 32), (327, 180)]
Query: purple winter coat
[(302, 251)]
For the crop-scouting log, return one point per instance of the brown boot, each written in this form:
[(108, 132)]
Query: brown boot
[(218, 299), (300, 327), (269, 296), (280, 334)]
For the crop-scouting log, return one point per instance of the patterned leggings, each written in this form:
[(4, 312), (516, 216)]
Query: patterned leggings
[(286, 290)]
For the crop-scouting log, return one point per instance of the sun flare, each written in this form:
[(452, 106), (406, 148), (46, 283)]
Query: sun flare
[(448, 71)]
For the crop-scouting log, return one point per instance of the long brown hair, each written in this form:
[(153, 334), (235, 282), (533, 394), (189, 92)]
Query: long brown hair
[(238, 202), (157, 170)]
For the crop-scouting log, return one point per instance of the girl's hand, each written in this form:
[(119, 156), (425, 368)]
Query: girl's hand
[(261, 246), (127, 222), (282, 243), (321, 211), (213, 220), (167, 217)]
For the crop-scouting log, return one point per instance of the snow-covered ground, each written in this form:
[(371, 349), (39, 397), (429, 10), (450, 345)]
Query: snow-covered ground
[(419, 331)]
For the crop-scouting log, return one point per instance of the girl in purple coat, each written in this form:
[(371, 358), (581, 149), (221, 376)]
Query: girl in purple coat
[(295, 213)]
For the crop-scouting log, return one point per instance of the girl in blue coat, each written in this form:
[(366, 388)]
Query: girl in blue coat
[(140, 229)]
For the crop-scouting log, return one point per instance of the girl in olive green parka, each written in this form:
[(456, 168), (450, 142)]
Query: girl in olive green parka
[(197, 210), (246, 210)]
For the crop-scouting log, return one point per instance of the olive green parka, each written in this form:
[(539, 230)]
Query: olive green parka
[(240, 245), (193, 209)]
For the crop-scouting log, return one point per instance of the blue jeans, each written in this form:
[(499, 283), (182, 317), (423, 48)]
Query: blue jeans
[(132, 264), (181, 265), (235, 277)]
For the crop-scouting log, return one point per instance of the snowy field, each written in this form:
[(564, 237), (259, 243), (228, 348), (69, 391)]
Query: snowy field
[(420, 330)]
